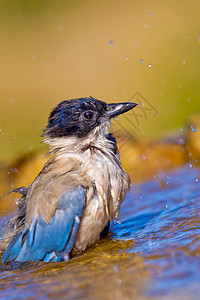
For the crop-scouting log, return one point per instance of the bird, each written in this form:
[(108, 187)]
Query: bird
[(79, 190)]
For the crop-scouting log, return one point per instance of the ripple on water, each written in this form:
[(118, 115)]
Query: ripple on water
[(164, 222), (154, 252)]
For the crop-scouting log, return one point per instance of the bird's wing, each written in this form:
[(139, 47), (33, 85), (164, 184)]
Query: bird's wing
[(50, 240)]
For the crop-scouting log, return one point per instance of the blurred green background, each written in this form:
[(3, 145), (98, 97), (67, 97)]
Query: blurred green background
[(56, 50)]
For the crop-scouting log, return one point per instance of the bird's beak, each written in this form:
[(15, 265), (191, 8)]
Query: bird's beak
[(115, 109)]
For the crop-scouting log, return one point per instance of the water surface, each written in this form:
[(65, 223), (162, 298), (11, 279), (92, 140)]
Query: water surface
[(153, 253)]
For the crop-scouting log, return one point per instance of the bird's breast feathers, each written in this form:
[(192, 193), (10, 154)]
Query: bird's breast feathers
[(99, 170)]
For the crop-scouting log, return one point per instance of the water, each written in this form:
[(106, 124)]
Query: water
[(192, 128), (165, 226), (153, 254)]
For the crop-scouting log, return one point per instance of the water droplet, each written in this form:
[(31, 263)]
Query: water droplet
[(149, 65), (115, 269), (111, 42), (109, 84), (141, 60), (166, 205), (154, 175), (154, 26), (181, 129), (196, 179), (127, 57), (119, 281), (181, 141), (190, 165), (145, 52), (0, 129), (151, 13), (150, 244), (136, 44), (193, 129), (143, 157)]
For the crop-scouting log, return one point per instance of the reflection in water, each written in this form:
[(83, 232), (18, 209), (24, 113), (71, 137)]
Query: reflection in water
[(153, 252)]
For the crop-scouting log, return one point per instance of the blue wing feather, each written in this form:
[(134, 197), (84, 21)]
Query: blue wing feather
[(52, 241)]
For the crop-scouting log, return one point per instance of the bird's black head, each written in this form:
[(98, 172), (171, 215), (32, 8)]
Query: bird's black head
[(79, 116)]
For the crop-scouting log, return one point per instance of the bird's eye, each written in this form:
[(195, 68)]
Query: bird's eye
[(88, 114)]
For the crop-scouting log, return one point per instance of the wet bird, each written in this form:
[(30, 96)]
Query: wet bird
[(79, 190)]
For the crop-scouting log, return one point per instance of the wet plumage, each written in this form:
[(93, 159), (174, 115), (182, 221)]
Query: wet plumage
[(78, 191)]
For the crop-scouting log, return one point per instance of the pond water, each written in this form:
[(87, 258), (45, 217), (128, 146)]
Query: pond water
[(153, 253)]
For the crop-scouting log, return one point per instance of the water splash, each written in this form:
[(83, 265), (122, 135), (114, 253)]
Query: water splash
[(111, 42), (192, 128), (156, 248)]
